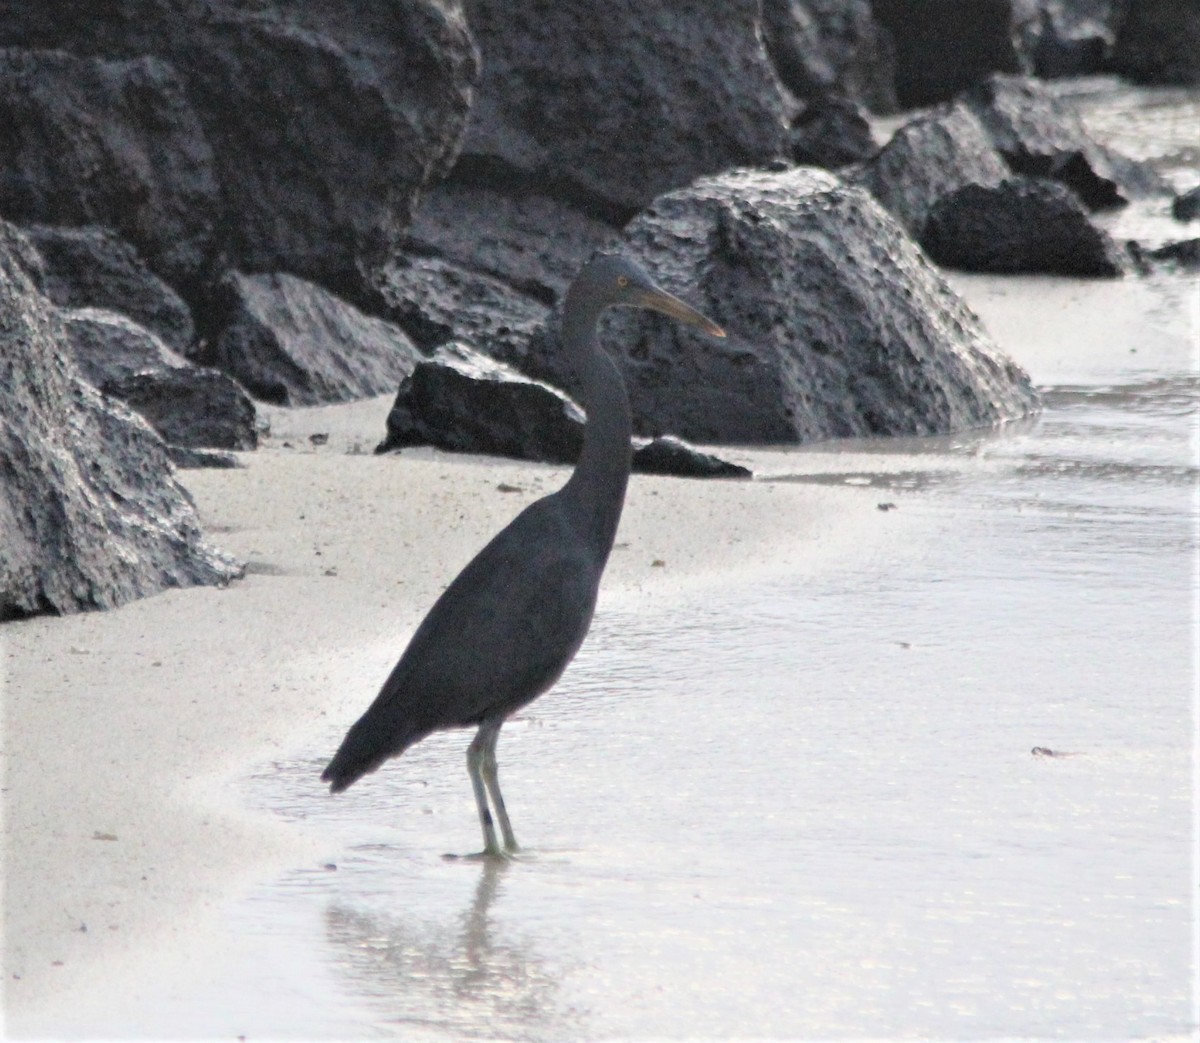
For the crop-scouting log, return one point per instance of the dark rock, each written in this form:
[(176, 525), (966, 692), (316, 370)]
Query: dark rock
[(186, 457), (465, 402), (116, 143), (110, 346), (608, 104), (1042, 136), (531, 242), (944, 46), (437, 301), (1075, 37), (822, 47), (91, 267), (1159, 42), (668, 455), (1021, 225), (324, 119), (1183, 254), (291, 342), (194, 407), (91, 513), (1186, 207), (832, 132), (838, 324), (931, 156)]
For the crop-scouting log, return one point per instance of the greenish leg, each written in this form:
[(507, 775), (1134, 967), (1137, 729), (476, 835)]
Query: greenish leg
[(491, 777), (476, 754)]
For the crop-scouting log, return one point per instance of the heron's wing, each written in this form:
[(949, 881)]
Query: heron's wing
[(502, 632)]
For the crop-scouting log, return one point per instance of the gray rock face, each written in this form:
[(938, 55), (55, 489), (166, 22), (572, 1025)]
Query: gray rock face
[(90, 267), (1041, 136), (321, 120), (1076, 37), (1021, 225), (109, 346), (291, 342), (466, 402), (838, 325), (193, 407), (90, 513), (1159, 42), (116, 143), (931, 156), (832, 132), (943, 46), (607, 105), (831, 47)]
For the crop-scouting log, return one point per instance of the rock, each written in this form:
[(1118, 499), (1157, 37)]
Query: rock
[(832, 132), (1184, 254), (323, 120), (944, 46), (531, 242), (193, 407), (90, 267), (605, 105), (185, 457), (293, 343), (109, 346), (1042, 136), (1159, 42), (831, 47), (465, 402), (838, 324), (1021, 225), (1075, 37), (91, 512), (672, 456), (931, 156), (437, 301), (1186, 207), (108, 142)]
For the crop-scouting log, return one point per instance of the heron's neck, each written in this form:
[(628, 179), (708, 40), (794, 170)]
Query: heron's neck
[(598, 484)]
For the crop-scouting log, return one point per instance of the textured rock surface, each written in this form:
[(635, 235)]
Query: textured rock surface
[(463, 401), (1159, 42), (116, 143), (109, 346), (670, 455), (832, 132), (291, 342), (609, 105), (1021, 225), (90, 267), (1042, 136), (193, 407), (323, 120), (838, 325), (931, 156), (90, 511)]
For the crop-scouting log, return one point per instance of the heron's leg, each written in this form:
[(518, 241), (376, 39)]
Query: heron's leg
[(490, 732), (476, 753)]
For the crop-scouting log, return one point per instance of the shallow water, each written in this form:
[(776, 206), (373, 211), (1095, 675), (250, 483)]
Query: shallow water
[(798, 807)]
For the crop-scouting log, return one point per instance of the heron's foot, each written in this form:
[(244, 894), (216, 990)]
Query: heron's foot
[(497, 855)]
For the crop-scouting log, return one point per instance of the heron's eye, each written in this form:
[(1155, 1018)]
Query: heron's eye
[(622, 280)]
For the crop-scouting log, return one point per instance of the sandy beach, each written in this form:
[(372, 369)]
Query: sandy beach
[(126, 733)]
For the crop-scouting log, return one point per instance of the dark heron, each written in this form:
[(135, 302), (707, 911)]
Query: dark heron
[(503, 632)]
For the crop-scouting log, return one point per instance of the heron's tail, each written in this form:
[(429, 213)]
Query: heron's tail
[(366, 746)]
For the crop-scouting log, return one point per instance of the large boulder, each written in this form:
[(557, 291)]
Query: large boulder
[(91, 267), (838, 325), (1041, 135), (90, 511), (108, 142), (1159, 42), (933, 155), (1021, 225), (107, 345), (291, 342), (322, 120), (609, 104)]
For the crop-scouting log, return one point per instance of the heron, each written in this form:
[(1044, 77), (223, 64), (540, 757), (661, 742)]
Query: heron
[(505, 629)]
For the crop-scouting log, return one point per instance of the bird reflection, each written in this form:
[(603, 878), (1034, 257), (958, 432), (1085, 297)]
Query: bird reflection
[(455, 978)]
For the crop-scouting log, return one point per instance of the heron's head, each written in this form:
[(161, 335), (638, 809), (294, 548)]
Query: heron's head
[(611, 280)]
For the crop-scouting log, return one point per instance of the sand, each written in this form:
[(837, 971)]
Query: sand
[(124, 731)]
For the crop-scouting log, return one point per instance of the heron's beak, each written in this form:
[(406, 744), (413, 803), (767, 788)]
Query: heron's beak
[(659, 300)]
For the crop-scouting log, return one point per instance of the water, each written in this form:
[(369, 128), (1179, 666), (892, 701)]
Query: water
[(809, 806)]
